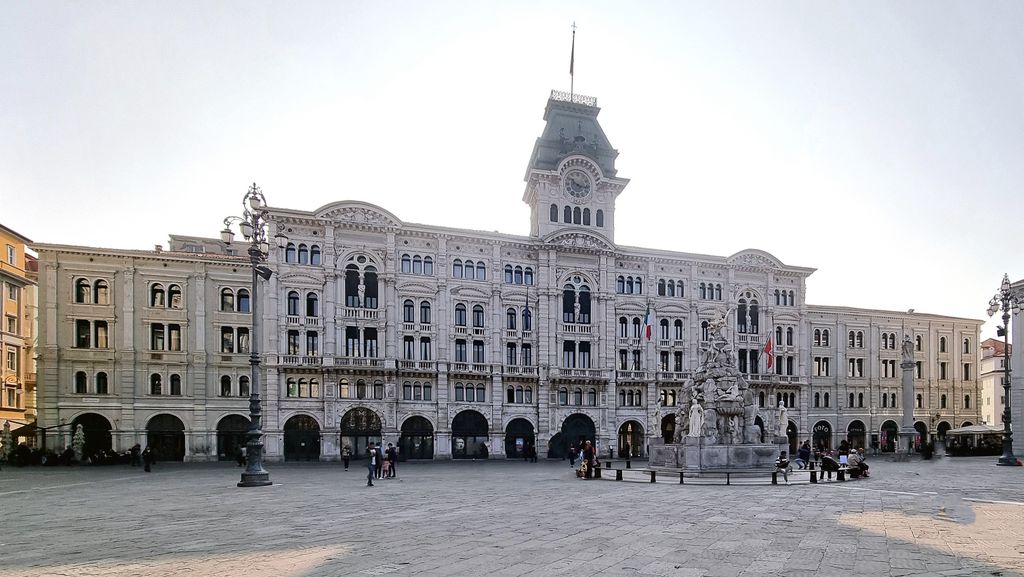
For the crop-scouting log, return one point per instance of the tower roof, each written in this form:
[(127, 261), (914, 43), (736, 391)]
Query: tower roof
[(572, 128)]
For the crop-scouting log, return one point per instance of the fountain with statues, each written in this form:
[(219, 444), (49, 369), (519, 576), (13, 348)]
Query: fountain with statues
[(715, 423)]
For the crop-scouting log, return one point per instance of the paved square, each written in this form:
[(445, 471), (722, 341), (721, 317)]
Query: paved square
[(945, 517)]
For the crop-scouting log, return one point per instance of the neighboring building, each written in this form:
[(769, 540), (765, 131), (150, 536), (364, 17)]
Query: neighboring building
[(1017, 374), (444, 339), (17, 302), (993, 396)]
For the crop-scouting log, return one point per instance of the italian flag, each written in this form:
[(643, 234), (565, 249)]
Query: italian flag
[(649, 323), (768, 351)]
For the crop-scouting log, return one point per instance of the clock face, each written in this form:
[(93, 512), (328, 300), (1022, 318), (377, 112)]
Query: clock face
[(576, 183)]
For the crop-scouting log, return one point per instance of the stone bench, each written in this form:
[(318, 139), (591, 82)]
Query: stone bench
[(619, 470)]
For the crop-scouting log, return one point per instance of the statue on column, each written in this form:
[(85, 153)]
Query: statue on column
[(576, 311), (783, 422), (361, 291), (908, 349), (696, 419)]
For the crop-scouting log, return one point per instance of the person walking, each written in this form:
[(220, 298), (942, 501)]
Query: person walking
[(803, 455), (371, 464), (392, 457), (136, 455), (148, 459), (588, 456), (346, 455), (379, 462)]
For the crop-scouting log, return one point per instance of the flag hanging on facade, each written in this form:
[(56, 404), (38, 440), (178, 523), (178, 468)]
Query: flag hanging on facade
[(768, 351), (648, 323)]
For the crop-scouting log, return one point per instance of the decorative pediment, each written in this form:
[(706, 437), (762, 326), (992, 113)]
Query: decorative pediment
[(416, 288), (754, 258), (579, 239), (357, 213), (293, 279), (470, 293)]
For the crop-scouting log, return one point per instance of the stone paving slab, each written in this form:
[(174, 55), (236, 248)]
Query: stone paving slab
[(507, 518)]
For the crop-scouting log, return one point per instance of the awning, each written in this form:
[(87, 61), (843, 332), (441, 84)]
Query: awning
[(976, 430)]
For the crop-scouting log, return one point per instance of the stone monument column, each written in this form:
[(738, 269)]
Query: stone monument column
[(907, 430)]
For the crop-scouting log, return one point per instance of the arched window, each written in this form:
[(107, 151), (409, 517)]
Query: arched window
[(672, 288), (622, 397), (942, 402), (243, 300), (718, 292), (703, 291), (942, 344), (469, 270), (428, 266), (519, 275), (629, 285), (620, 285), (567, 215), (528, 276), (638, 286), (520, 397), (81, 383), (778, 299), (460, 315), (860, 400), (478, 316), (243, 386), (705, 331), (563, 396), (408, 312), (508, 274), (826, 400), (293, 303), (425, 312), (663, 329), (101, 383), (885, 401), (577, 397), (851, 400), (577, 217), (817, 337), (892, 400), (661, 287), (156, 295), (678, 330), (457, 268), (314, 255), (101, 292), (919, 400), (227, 300), (599, 217), (289, 253), (586, 217), (817, 400), (592, 397), (553, 213), (406, 263), (527, 320), (789, 336), (303, 254), (778, 336), (918, 343), (510, 319), (824, 338), (225, 386), (967, 346), (312, 305), (481, 271), (860, 339), (967, 401), (155, 384)]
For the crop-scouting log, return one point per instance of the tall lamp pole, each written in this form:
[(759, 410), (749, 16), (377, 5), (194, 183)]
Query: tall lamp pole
[(253, 225), (1005, 300)]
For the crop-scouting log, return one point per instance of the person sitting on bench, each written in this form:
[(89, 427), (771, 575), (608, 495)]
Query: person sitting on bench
[(858, 468), (782, 466)]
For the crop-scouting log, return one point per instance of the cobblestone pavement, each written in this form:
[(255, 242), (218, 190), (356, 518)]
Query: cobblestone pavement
[(502, 518)]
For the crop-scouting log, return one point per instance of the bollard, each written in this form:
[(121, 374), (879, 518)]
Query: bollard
[(840, 475), (654, 475), (618, 474), (681, 478), (775, 477), (628, 466)]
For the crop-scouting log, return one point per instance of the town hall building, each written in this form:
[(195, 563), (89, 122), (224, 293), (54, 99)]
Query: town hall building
[(455, 343)]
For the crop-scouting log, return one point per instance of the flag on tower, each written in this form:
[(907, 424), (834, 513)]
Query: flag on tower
[(648, 323), (572, 55), (768, 351)]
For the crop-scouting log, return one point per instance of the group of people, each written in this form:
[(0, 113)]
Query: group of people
[(586, 455), (380, 464), (844, 456)]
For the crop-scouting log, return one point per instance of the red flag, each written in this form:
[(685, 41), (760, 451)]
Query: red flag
[(768, 351)]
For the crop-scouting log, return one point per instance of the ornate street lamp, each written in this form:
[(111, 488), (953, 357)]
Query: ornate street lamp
[(1008, 302), (253, 225)]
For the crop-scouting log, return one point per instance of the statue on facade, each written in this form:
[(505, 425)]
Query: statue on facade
[(576, 311), (696, 419), (657, 416), (783, 422), (908, 349), (361, 291)]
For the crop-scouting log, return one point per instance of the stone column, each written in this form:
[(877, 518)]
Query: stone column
[(907, 430)]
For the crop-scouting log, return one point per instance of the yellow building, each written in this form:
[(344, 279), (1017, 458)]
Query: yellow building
[(18, 314)]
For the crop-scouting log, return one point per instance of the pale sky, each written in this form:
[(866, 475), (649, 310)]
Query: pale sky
[(879, 142)]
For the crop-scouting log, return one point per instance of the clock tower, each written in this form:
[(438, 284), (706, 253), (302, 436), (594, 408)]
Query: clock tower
[(571, 182)]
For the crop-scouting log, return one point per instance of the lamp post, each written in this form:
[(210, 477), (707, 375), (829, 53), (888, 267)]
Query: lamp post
[(253, 225), (1006, 301)]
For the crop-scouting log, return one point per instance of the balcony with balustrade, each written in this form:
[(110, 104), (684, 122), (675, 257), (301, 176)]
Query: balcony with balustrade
[(578, 374), (577, 328), (470, 368), (419, 367), (519, 372), (360, 314)]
